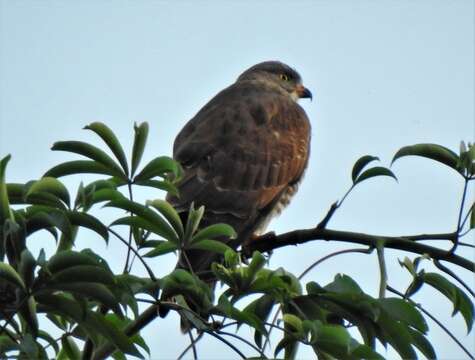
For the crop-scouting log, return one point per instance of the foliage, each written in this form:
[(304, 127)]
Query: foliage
[(88, 303)]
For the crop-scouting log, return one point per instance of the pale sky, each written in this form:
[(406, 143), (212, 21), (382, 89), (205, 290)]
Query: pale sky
[(384, 74)]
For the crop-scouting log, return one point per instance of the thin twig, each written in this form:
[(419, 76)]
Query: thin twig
[(261, 353), (219, 337), (195, 354), (442, 326), (467, 215), (149, 271), (459, 221), (445, 269), (319, 261), (183, 353)]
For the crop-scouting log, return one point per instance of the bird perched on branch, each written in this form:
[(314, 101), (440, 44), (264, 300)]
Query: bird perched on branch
[(244, 154)]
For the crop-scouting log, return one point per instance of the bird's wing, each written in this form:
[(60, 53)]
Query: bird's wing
[(240, 153)]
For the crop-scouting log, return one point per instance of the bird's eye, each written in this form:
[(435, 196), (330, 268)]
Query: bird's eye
[(284, 77)]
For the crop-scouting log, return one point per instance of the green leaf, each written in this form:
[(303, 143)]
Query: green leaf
[(88, 221), (164, 185), (40, 221), (397, 335), (95, 291), (214, 231), (49, 339), (420, 341), (139, 222), (15, 193), (360, 164), (211, 245), (27, 267), (431, 151), (5, 211), (170, 214), (92, 152), (257, 263), (333, 339), (193, 222), (458, 298), (149, 217), (402, 310), (84, 273), (160, 166), (361, 351), (28, 313), (9, 274), (294, 322), (111, 140), (344, 284), (68, 258), (141, 133), (69, 349), (46, 199), (161, 249), (51, 186), (7, 344), (373, 172), (78, 167)]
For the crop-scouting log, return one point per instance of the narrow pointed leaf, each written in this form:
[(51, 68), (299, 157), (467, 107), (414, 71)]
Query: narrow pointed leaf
[(404, 311), (5, 211), (27, 267), (67, 259), (214, 231), (78, 167), (69, 349), (140, 139), (159, 184), (50, 185), (160, 226), (424, 345), (398, 336), (111, 140), (16, 192), (84, 273), (360, 164), (161, 249), (90, 151), (8, 273), (160, 166), (170, 214), (95, 291), (373, 172), (210, 245), (459, 299), (88, 221), (431, 151), (28, 313)]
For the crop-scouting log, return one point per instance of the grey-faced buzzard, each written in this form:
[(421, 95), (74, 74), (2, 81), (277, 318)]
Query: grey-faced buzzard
[(244, 154)]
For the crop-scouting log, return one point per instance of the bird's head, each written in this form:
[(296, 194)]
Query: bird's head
[(279, 74)]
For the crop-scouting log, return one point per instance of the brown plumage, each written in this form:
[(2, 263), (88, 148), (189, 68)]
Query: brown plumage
[(244, 154)]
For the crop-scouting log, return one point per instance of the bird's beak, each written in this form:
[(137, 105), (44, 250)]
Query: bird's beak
[(303, 92)]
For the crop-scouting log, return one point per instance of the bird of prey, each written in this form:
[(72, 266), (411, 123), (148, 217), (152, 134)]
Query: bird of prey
[(244, 154)]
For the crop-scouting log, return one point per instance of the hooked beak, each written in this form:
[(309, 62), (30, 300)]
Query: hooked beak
[(303, 92)]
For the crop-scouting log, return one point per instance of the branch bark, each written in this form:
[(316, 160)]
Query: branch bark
[(269, 242)]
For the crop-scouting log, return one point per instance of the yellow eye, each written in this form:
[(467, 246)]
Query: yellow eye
[(284, 77)]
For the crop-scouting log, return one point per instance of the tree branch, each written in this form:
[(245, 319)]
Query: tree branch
[(406, 243)]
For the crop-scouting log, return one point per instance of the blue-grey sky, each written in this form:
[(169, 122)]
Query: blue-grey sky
[(384, 74)]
